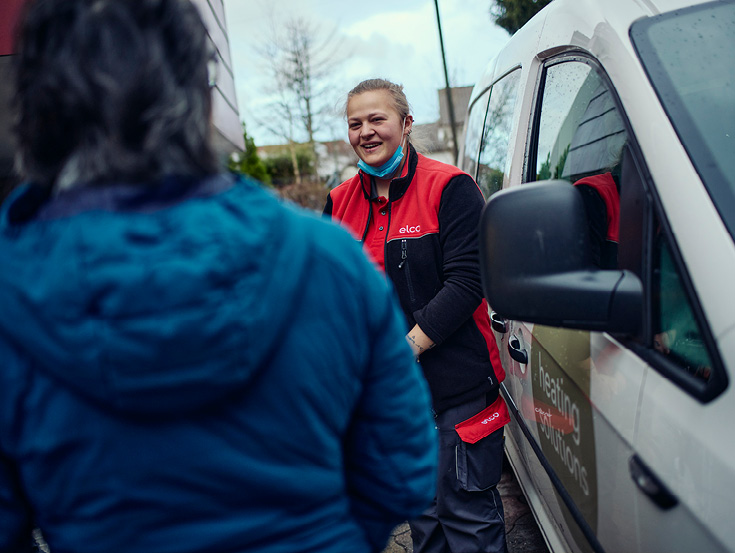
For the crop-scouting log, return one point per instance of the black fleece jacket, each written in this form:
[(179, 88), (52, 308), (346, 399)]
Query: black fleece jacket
[(431, 256)]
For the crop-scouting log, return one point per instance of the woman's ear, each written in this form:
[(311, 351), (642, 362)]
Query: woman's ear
[(409, 124)]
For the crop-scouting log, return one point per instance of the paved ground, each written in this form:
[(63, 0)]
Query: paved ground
[(521, 530)]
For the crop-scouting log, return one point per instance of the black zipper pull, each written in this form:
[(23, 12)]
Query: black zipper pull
[(404, 254)]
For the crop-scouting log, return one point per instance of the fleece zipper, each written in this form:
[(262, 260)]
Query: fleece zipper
[(404, 263)]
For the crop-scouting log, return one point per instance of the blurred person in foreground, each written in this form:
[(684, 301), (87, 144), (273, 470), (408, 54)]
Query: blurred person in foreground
[(186, 364)]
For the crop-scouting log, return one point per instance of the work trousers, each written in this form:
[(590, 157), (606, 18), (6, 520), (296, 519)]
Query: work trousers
[(467, 514)]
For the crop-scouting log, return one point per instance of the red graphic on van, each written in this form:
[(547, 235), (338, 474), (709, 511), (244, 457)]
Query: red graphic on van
[(535, 410)]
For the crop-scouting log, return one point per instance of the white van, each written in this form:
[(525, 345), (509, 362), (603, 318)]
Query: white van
[(613, 300)]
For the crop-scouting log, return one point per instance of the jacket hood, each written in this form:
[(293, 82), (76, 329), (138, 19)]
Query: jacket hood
[(156, 298)]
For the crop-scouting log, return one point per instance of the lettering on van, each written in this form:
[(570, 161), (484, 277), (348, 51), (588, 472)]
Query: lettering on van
[(561, 408), (553, 389)]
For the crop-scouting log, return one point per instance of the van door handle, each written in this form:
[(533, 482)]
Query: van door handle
[(650, 485), (498, 323), (517, 353)]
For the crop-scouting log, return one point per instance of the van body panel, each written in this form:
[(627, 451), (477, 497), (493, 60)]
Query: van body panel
[(669, 165), (706, 246), (686, 444)]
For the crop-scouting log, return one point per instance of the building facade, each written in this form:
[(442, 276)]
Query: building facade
[(226, 116)]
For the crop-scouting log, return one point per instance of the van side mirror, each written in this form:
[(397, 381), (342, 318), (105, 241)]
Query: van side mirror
[(536, 264)]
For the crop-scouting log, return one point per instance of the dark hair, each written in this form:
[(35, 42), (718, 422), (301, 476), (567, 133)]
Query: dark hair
[(113, 89)]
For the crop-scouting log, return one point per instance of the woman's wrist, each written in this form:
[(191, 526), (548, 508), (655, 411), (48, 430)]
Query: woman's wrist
[(419, 341)]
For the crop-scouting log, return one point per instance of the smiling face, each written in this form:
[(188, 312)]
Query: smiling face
[(375, 127)]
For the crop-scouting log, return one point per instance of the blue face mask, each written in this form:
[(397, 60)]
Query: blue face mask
[(389, 167)]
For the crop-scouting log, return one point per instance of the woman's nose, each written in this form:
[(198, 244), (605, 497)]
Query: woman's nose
[(366, 130)]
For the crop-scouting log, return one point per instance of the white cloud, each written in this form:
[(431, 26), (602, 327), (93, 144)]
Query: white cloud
[(397, 40)]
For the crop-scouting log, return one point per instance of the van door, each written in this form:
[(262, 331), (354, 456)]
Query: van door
[(684, 447), (582, 389), (682, 464)]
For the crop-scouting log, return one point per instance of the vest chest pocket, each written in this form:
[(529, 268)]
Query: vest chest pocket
[(415, 268)]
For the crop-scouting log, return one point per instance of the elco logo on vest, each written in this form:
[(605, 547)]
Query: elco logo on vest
[(407, 228)]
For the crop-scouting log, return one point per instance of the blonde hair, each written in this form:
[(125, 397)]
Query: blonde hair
[(400, 103)]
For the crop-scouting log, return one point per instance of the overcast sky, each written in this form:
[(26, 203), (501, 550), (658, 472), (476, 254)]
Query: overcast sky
[(393, 39)]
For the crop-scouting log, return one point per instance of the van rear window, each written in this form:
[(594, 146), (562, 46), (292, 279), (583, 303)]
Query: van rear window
[(688, 55)]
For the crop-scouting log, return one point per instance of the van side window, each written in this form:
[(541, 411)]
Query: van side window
[(494, 160), (473, 133), (675, 331), (580, 138), (580, 131)]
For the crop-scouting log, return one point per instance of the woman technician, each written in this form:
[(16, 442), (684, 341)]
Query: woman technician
[(417, 219)]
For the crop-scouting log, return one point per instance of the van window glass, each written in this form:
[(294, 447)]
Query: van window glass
[(688, 55), (580, 138), (580, 131), (473, 133), (494, 160), (675, 330)]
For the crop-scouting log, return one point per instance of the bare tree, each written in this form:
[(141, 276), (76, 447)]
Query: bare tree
[(301, 60)]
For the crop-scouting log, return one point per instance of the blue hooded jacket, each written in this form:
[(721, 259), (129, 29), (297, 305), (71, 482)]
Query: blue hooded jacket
[(193, 366)]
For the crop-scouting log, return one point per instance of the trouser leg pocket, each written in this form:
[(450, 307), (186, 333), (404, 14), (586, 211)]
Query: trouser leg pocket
[(480, 465)]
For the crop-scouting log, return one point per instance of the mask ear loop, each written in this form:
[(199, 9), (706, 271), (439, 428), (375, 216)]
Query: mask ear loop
[(405, 135), (404, 141)]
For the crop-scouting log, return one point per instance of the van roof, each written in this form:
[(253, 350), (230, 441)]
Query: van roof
[(599, 27)]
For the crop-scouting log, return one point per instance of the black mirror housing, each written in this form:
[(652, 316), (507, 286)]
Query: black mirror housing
[(536, 266)]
